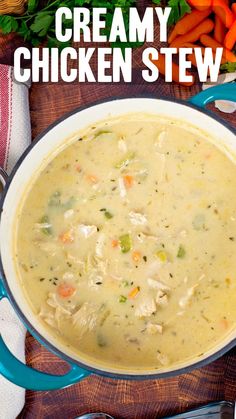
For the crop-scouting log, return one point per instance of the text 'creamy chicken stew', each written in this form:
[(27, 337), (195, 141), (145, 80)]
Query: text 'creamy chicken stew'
[(125, 243)]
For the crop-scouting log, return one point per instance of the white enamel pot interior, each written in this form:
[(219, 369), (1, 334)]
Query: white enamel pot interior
[(34, 159)]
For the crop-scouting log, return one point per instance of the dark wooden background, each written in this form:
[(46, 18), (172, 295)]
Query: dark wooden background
[(122, 399)]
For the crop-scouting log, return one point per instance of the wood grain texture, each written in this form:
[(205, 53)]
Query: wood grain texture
[(122, 399)]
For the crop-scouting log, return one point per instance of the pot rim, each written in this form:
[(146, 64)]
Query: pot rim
[(40, 338)]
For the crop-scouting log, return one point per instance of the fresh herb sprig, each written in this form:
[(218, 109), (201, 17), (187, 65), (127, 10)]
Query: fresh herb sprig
[(37, 25), (178, 9)]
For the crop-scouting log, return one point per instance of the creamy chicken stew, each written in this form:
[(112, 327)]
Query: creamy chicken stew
[(126, 243)]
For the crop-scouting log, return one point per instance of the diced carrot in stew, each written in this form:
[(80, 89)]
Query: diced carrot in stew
[(136, 256), (134, 292), (224, 323), (66, 290), (92, 178), (114, 243), (67, 237), (128, 181)]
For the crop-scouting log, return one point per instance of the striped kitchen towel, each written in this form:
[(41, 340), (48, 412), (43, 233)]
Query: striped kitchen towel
[(15, 136)]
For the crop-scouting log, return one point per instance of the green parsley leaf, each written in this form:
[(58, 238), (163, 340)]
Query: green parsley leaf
[(181, 252), (228, 67), (8, 24), (179, 9), (42, 24)]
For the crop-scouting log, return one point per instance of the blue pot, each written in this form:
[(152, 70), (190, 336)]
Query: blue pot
[(192, 112)]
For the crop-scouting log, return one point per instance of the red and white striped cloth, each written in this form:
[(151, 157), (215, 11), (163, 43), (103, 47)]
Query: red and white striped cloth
[(15, 136)]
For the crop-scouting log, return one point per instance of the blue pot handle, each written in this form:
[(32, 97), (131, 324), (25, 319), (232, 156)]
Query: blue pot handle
[(225, 91), (22, 375)]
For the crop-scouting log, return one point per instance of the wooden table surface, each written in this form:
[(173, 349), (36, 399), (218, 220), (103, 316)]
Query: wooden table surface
[(122, 399)]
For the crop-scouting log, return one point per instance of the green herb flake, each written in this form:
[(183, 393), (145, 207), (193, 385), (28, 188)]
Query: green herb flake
[(228, 67), (108, 215), (181, 252), (101, 340), (46, 230), (124, 284), (125, 161), (122, 299), (125, 242)]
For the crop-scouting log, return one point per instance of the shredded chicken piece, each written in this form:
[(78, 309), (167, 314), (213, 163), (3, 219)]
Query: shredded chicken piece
[(122, 146), (161, 298), (69, 213), (40, 226), (122, 188), (86, 317), (100, 245), (153, 283), (153, 328), (142, 236), (146, 307), (161, 138), (48, 247), (185, 300), (67, 276), (137, 218), (163, 359), (87, 230)]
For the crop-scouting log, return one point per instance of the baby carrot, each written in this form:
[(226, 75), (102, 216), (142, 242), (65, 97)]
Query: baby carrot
[(160, 64), (128, 181), (230, 37), (208, 41), (172, 35), (192, 36), (200, 4), (189, 21), (66, 290), (134, 292), (221, 9), (233, 7), (219, 30)]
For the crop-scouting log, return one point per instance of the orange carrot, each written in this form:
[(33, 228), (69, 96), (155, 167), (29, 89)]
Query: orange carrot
[(128, 181), (219, 30), (114, 243), (224, 323), (192, 36), (189, 21), (234, 9), (92, 178), (172, 35), (136, 256), (66, 237), (223, 12), (160, 64), (66, 290), (134, 292), (208, 41), (200, 4), (230, 37)]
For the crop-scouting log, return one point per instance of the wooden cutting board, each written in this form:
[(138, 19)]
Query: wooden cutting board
[(122, 399)]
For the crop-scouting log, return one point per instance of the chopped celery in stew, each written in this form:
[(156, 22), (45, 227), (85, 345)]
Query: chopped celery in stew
[(126, 243)]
